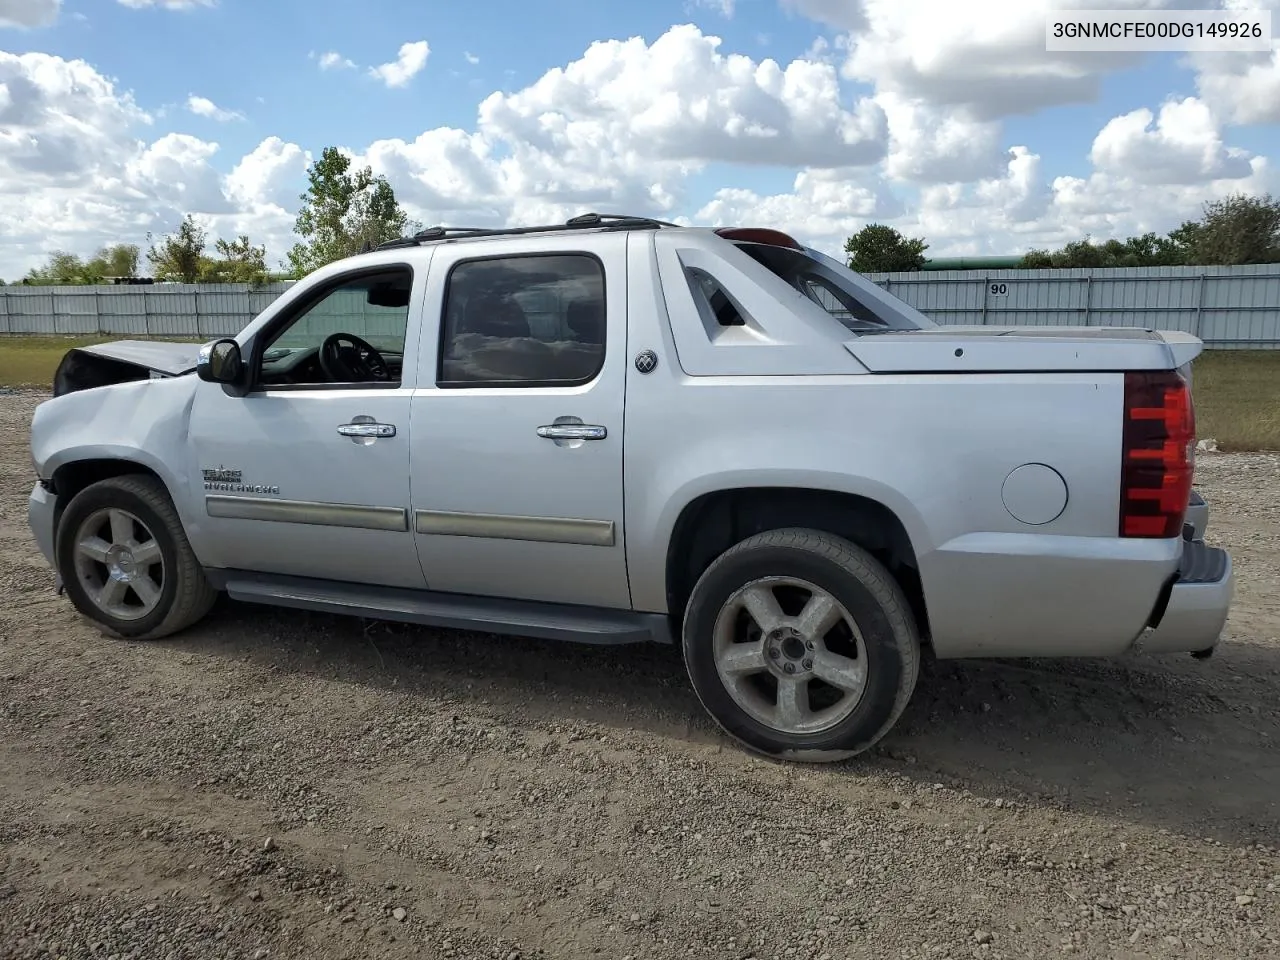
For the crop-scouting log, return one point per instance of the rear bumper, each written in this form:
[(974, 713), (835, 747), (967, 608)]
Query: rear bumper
[(1198, 602), (41, 508), (1020, 595)]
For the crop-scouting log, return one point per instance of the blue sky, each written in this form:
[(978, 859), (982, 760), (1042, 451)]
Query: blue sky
[(947, 120)]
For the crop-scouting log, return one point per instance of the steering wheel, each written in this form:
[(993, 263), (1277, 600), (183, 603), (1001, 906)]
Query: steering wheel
[(346, 358)]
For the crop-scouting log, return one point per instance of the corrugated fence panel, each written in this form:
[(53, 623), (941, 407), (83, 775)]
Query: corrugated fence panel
[(1227, 307), (30, 311), (1230, 307), (123, 311)]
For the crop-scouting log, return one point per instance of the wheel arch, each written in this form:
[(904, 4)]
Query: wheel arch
[(74, 474), (714, 521)]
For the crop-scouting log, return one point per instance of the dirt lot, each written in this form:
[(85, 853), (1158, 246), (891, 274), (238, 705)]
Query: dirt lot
[(275, 784)]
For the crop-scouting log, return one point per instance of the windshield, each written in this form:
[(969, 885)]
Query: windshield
[(857, 303)]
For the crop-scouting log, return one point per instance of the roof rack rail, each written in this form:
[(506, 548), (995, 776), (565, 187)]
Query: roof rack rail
[(586, 221)]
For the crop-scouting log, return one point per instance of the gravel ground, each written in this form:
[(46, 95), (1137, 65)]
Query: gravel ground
[(277, 784)]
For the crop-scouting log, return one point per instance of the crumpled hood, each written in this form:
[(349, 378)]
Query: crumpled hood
[(172, 359), (122, 361)]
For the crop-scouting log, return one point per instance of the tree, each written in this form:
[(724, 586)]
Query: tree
[(1234, 230), (1237, 229), (119, 260), (61, 269), (66, 269), (180, 257), (240, 262), (1148, 250), (878, 248), (342, 211)]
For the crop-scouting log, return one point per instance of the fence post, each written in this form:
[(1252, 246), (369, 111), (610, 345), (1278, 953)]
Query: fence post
[(146, 311), (1196, 320), (986, 294), (1088, 298)]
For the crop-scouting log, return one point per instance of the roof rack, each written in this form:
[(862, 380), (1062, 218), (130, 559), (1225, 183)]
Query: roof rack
[(586, 221)]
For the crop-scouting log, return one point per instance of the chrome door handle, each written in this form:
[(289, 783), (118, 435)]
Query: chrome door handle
[(366, 430), (572, 431)]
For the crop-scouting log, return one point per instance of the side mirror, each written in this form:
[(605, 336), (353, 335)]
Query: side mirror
[(220, 362)]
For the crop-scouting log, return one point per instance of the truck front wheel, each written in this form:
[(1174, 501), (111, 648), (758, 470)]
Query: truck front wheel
[(126, 562), (801, 645)]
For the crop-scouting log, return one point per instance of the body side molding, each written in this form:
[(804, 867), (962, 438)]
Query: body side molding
[(359, 516), (591, 533)]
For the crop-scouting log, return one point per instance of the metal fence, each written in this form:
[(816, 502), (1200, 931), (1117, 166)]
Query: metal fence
[(1227, 307), (194, 311)]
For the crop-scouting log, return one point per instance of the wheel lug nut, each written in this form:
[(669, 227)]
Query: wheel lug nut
[(809, 644), (808, 664), (790, 668), (773, 654)]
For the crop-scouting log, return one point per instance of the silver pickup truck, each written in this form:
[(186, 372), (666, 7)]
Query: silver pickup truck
[(617, 430)]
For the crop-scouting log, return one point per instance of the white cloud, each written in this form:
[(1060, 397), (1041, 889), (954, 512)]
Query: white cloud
[(723, 7), (681, 100), (168, 4), (60, 121), (1183, 144), (938, 145), (204, 107), (29, 13), (77, 172), (175, 170), (824, 206), (989, 59), (410, 62), (1248, 90), (1010, 212), (1243, 87), (332, 60), (471, 58), (268, 176)]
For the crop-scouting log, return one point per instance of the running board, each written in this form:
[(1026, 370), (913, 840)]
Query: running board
[(521, 618)]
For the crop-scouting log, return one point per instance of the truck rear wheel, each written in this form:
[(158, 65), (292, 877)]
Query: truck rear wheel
[(801, 645), (126, 562)]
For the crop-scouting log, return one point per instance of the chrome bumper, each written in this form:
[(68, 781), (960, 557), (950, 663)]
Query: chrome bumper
[(1199, 601)]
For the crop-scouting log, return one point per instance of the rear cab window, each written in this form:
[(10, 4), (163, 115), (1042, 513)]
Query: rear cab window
[(523, 320)]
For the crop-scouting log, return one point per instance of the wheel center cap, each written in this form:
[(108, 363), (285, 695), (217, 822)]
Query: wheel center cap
[(120, 564), (787, 650)]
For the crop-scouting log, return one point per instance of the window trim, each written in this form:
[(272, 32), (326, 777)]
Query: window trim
[(442, 327), (262, 338)]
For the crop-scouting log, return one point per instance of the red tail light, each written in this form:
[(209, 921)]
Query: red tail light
[(1159, 454)]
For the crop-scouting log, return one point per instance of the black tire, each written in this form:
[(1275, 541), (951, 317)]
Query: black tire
[(873, 600), (185, 595)]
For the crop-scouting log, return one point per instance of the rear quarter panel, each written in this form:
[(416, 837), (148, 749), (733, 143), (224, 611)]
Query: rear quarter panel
[(935, 450)]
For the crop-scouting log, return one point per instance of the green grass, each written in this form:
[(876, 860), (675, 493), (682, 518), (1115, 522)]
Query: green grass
[(1237, 391), (1238, 398), (31, 361)]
